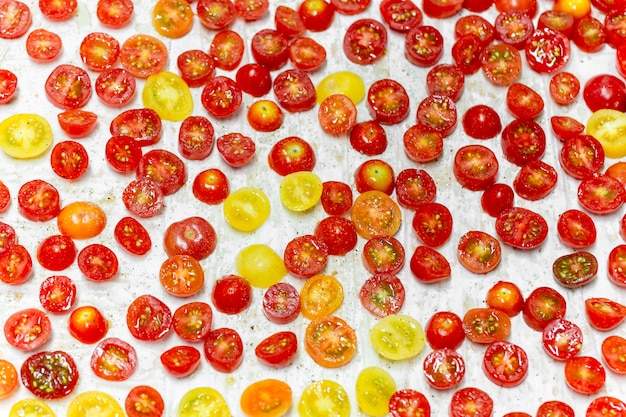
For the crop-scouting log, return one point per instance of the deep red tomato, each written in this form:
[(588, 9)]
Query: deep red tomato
[(97, 262), (38, 201), (288, 22), (374, 174), (87, 324), (181, 275), (543, 305), (254, 79), (589, 34), (132, 236), (535, 180), (438, 114), (196, 67), (576, 229), (180, 361), (400, 15), (604, 314), (505, 363), (192, 321), (40, 374), (565, 127), (582, 156), (432, 222), (144, 401), (617, 265), (270, 49), (479, 252), (305, 256), (614, 23), (43, 45), (481, 122), (231, 294), (555, 408), (68, 87), (513, 27), (115, 13), (408, 403), (227, 49), (505, 296), (584, 374), (562, 339), (365, 41), (69, 159), (115, 87), (123, 153), (77, 123), (559, 20), (316, 15), (471, 402), (216, 14), (143, 55), (27, 329), (350, 7), (382, 294), (336, 197), (486, 325), (164, 168), (467, 51), (8, 85), (223, 349), (564, 88), (423, 45), (337, 114), (521, 228), (614, 352), (236, 149), (277, 350), (427, 265), (383, 255), (605, 91), (148, 318), (221, 96), (605, 406), (501, 64), (193, 236), (523, 140), (475, 167), (444, 368), (114, 359), (444, 329), (195, 138), (251, 10), (211, 186), (445, 80), (57, 294), (523, 101), (476, 25), (601, 194), (58, 9), (368, 138), (387, 101), (281, 303), (306, 54), (56, 252), (338, 233), (441, 9), (15, 19), (527, 6), (294, 90), (144, 125), (421, 144), (547, 51)]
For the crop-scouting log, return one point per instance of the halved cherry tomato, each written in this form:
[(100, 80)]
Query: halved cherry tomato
[(414, 188), (40, 374), (374, 388), (316, 15), (38, 201), (471, 401), (77, 123), (192, 321), (565, 127), (374, 213), (383, 255), (444, 368), (305, 256), (27, 329), (8, 85), (535, 180), (479, 252), (216, 14), (481, 122), (8, 378), (221, 96), (444, 329), (196, 67), (475, 167), (523, 101), (616, 267), (382, 295), (57, 294), (365, 41), (143, 55), (432, 222), (58, 10), (438, 114), (608, 127), (321, 295), (87, 324), (601, 194), (231, 294), (400, 15), (369, 138), (148, 318), (167, 94), (277, 350), (584, 374), (227, 50), (69, 159), (374, 174), (246, 209), (291, 154), (336, 197), (387, 101), (266, 398), (114, 359), (408, 403), (180, 361), (486, 325), (447, 80), (181, 275), (513, 27), (144, 125), (236, 149), (501, 64), (56, 252), (614, 353), (330, 341), (211, 186), (223, 349), (543, 305), (575, 269), (423, 45), (582, 156), (81, 220), (555, 408), (306, 54), (115, 13), (254, 79), (16, 265), (337, 114), (294, 90), (164, 168), (68, 87), (521, 228), (15, 19), (604, 314), (605, 404), (547, 51), (505, 296), (576, 229), (523, 140), (99, 51), (505, 363), (281, 303), (115, 87), (428, 265), (172, 18), (144, 401), (562, 339), (97, 262), (43, 45)]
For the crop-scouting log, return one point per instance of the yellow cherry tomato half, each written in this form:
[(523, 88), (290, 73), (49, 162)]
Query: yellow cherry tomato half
[(324, 398), (260, 265), (321, 295), (25, 136), (168, 94), (374, 388), (342, 82), (266, 398), (94, 403), (246, 209), (81, 220), (397, 337), (300, 191), (31, 407), (609, 127), (203, 402), (577, 8)]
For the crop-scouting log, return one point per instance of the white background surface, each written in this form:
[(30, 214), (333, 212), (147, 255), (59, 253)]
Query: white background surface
[(335, 161)]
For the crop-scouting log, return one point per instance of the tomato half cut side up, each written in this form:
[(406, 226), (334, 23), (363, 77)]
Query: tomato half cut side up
[(330, 341), (521, 228), (617, 265), (471, 401), (40, 374)]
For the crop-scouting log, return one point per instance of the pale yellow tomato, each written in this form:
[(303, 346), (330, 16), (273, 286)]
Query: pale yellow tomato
[(324, 398), (609, 127), (168, 94), (203, 402), (300, 191), (246, 209), (342, 82), (94, 403), (25, 136), (398, 337), (31, 407), (374, 388), (260, 265)]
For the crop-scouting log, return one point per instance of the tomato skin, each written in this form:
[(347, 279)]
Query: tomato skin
[(113, 359), (605, 91), (40, 374), (584, 374), (254, 79), (277, 350), (16, 265), (68, 87), (56, 252), (291, 154), (27, 329), (87, 324), (81, 220), (604, 314), (428, 266), (231, 294), (374, 174), (505, 296), (316, 15), (444, 329), (486, 325), (181, 361), (266, 397), (497, 198), (265, 116), (192, 236), (543, 305), (223, 349), (338, 234), (481, 122), (369, 138)]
